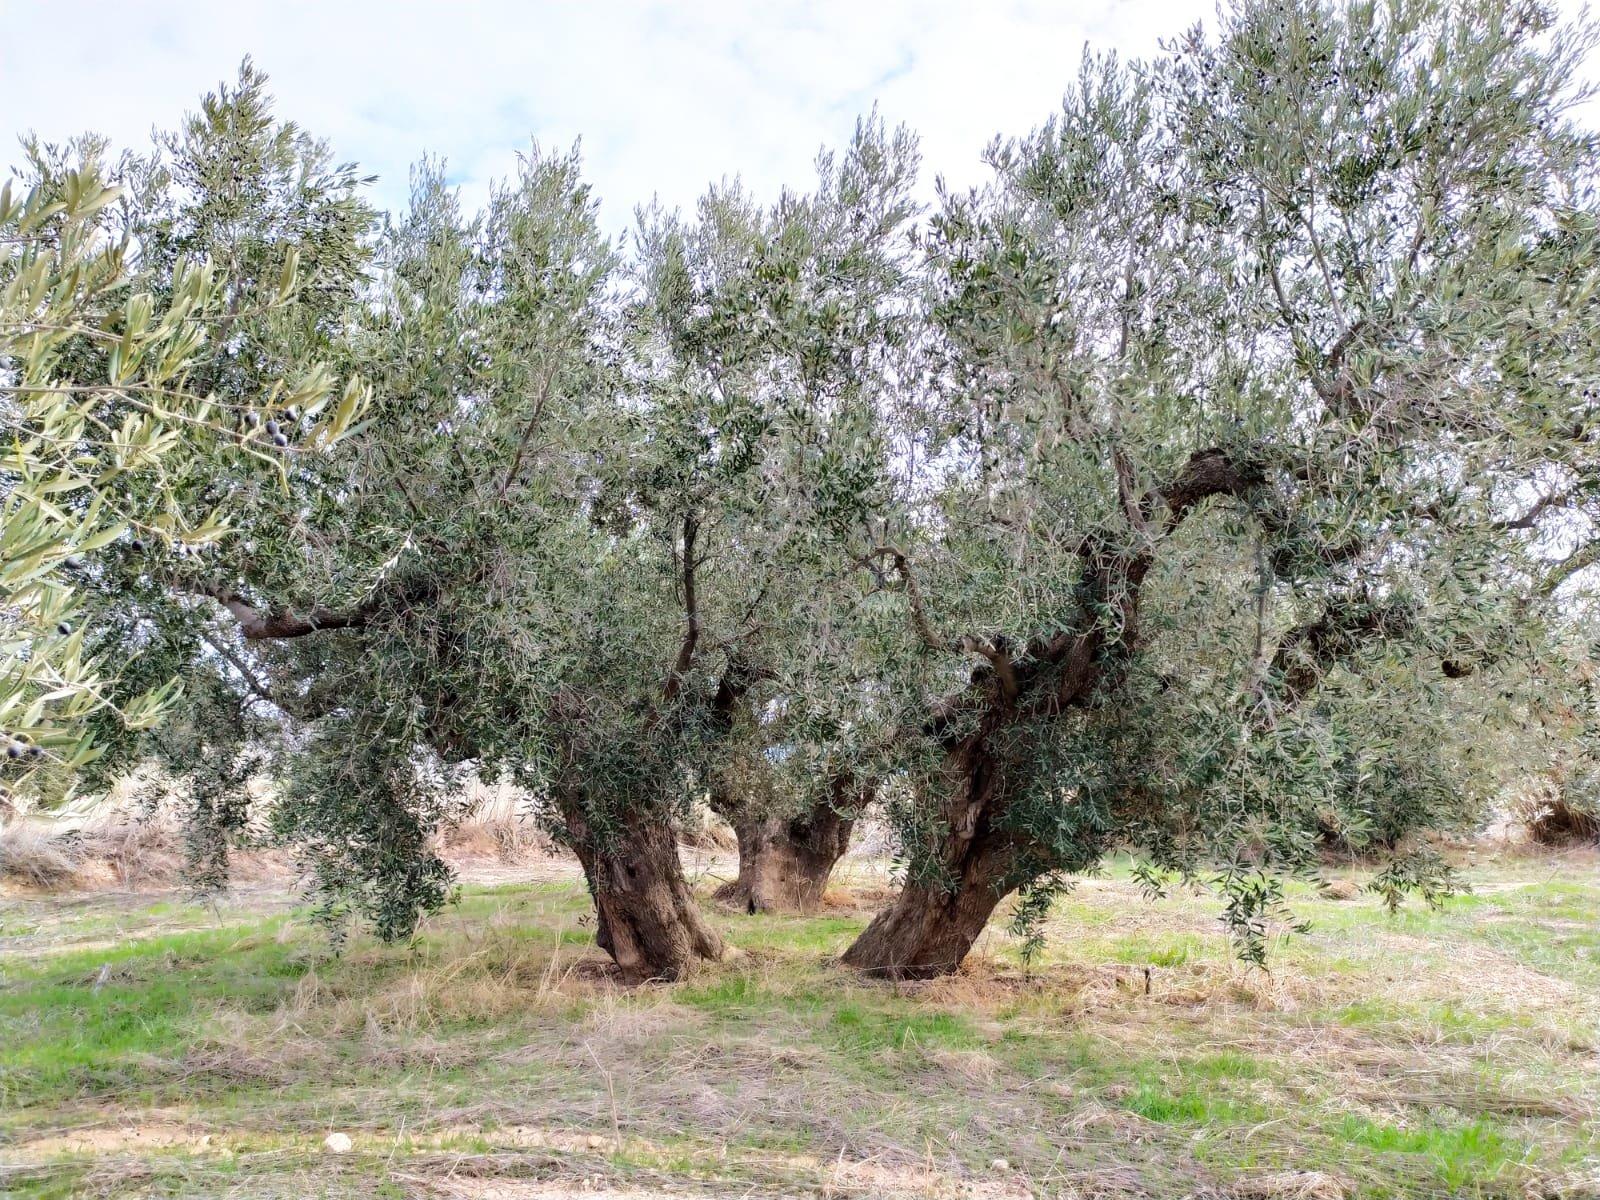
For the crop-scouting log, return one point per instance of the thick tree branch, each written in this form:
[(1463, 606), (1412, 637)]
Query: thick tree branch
[(1208, 473), (1004, 669), (691, 610), (258, 626)]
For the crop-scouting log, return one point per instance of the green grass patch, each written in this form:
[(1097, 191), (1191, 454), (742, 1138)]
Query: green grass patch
[(1460, 1156), (445, 1051)]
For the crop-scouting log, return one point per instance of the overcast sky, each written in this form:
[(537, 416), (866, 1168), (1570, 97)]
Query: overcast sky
[(667, 96)]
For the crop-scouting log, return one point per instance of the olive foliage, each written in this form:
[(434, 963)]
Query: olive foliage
[(1260, 411), (1182, 490), (125, 448)]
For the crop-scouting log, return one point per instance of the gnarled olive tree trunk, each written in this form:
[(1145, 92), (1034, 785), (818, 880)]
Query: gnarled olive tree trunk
[(785, 860), (647, 918), (929, 927)]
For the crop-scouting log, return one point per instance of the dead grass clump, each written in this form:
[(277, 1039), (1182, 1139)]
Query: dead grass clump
[(861, 897), (704, 830), (401, 1054), (1544, 813), (234, 1064), (136, 853), (456, 992), (1289, 1185), (1117, 1124), (620, 1019), (984, 985), (119, 850), (975, 1066), (234, 1051), (502, 837), (500, 979), (39, 859), (1492, 977), (1556, 821)]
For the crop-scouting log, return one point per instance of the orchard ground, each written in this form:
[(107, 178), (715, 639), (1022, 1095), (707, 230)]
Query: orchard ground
[(153, 1047)]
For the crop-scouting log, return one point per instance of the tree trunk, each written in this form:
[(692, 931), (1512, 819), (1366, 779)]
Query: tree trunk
[(928, 929), (784, 863), (648, 921), (975, 862)]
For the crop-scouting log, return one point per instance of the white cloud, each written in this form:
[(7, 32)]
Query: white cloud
[(667, 97)]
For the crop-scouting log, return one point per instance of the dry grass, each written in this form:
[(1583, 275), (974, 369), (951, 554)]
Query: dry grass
[(1409, 1056), (1290, 1185), (35, 857), (1558, 821), (512, 840), (1545, 814), (113, 849)]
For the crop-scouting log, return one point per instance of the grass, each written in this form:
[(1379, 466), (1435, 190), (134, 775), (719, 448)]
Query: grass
[(167, 1050)]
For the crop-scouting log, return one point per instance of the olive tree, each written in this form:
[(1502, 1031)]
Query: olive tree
[(252, 410), (1259, 410), (767, 340), (585, 508)]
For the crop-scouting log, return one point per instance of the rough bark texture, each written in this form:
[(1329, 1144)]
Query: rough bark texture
[(929, 927), (927, 930), (784, 862), (648, 921)]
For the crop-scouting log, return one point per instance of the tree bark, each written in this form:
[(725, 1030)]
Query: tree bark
[(929, 927), (648, 921), (785, 862)]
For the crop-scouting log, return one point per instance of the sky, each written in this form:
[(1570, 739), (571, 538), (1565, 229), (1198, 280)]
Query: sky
[(666, 97)]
